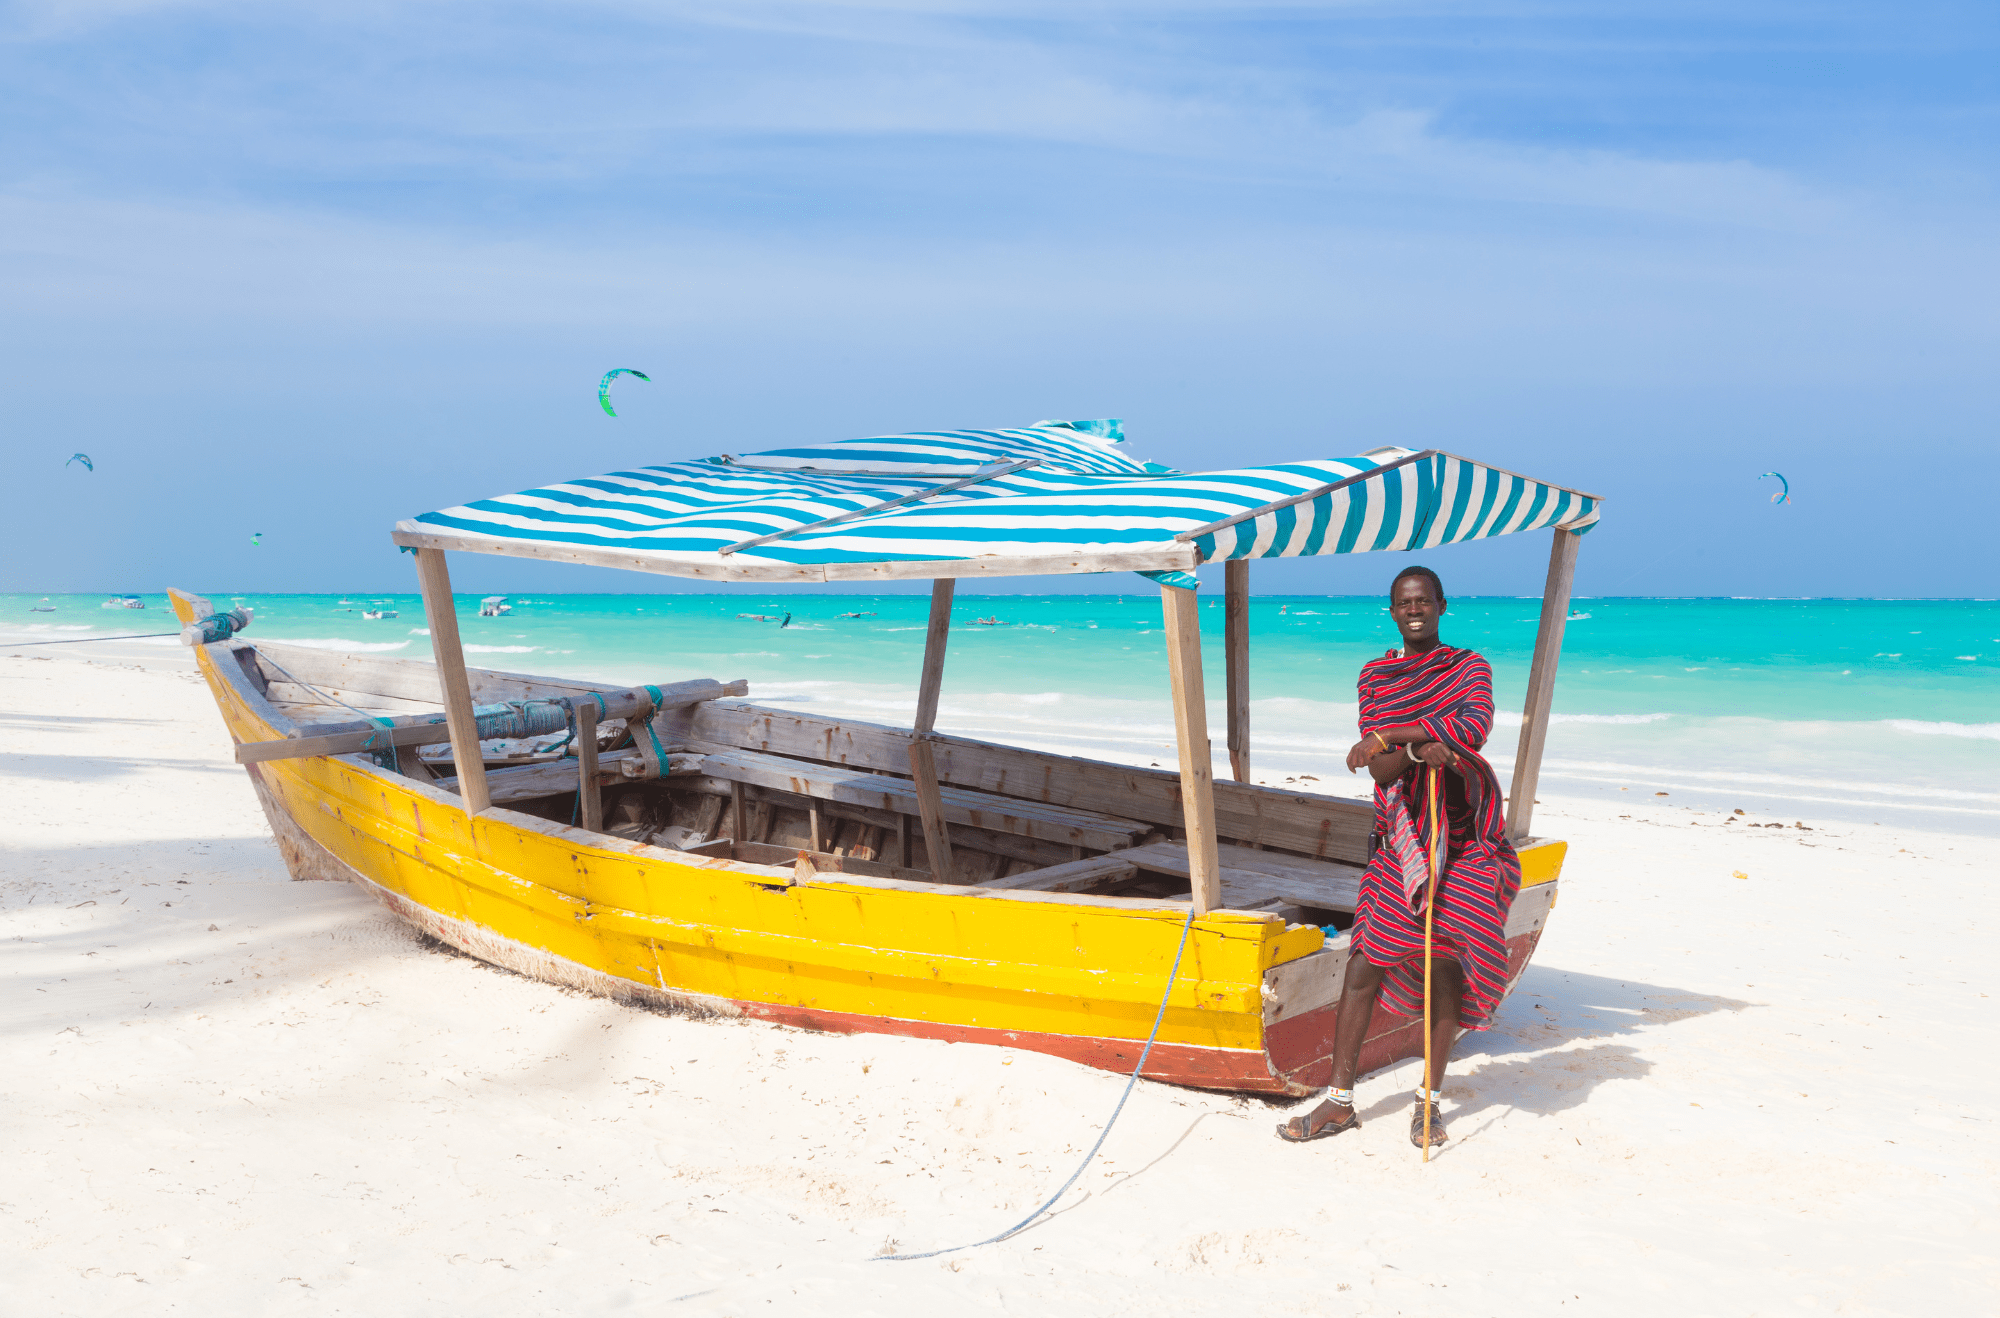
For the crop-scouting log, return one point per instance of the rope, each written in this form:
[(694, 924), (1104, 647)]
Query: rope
[(1025, 1222), (79, 640), (394, 753)]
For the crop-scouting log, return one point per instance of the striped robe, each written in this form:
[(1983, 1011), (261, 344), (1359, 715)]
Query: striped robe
[(1449, 693)]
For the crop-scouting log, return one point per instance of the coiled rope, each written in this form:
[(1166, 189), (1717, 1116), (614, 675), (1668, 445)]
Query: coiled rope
[(1029, 1220)]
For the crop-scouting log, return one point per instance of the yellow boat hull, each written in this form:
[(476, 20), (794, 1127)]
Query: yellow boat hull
[(1074, 975)]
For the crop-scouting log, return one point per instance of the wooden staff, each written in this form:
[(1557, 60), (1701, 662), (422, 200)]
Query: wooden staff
[(1430, 911)]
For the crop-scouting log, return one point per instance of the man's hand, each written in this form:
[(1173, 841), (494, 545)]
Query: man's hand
[(1364, 750), (1436, 754)]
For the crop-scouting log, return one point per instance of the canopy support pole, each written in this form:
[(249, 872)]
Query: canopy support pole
[(591, 803), (435, 581), (1541, 684), (1236, 648), (923, 762), (1183, 615)]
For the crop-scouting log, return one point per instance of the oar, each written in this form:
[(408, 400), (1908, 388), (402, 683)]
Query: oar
[(1430, 911)]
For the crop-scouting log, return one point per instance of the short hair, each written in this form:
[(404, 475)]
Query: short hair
[(1436, 585)]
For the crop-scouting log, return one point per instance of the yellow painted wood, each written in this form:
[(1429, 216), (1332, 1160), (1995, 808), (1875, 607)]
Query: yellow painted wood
[(1542, 861), (701, 926)]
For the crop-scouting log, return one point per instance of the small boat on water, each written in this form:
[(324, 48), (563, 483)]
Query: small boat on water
[(124, 602), (735, 859), (495, 606), (378, 615), (43, 607)]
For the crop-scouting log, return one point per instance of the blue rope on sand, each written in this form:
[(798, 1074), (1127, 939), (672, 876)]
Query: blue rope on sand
[(1025, 1222)]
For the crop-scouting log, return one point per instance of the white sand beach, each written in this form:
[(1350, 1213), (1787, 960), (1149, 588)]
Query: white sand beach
[(1750, 1071)]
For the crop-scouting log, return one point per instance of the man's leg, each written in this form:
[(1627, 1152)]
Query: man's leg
[(1357, 1008), (1447, 1005)]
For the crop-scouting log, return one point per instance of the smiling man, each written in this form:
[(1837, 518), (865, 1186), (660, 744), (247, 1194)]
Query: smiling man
[(1426, 711)]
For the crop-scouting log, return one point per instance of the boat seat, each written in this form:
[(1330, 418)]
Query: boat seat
[(1249, 877), (1045, 822)]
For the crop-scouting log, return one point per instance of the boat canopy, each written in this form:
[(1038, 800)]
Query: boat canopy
[(1054, 497)]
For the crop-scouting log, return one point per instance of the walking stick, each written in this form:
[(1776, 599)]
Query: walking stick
[(1430, 911)]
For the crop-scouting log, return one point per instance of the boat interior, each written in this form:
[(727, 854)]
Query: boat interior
[(771, 787)]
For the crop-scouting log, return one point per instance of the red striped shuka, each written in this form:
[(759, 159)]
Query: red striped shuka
[(1449, 693)]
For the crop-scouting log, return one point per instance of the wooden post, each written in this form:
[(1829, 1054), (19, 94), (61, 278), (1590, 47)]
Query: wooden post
[(1541, 685), (817, 829), (934, 639), (738, 816), (1183, 615), (589, 794), (902, 841), (1236, 650), (923, 763), (435, 581)]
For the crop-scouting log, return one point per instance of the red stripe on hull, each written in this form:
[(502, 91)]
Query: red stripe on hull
[(1298, 1056)]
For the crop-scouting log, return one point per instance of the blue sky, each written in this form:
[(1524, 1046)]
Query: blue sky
[(306, 269)]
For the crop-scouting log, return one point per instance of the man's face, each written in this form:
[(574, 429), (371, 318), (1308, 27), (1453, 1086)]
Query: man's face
[(1415, 607)]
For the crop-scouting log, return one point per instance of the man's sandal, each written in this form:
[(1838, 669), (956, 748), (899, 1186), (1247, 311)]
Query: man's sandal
[(1299, 1129), (1417, 1126)]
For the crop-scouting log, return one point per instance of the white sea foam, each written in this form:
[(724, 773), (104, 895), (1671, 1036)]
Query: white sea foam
[(499, 649), (1978, 731), (338, 643)]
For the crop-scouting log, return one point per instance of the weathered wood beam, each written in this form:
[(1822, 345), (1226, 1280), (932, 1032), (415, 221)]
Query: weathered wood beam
[(923, 759), (1183, 617), (1236, 650), (435, 580), (1541, 684), (424, 730), (590, 812)]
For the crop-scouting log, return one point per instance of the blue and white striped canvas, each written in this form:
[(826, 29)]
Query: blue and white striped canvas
[(1086, 506)]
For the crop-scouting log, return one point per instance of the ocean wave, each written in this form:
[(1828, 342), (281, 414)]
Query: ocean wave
[(337, 643), (1603, 718), (1978, 731), (499, 649)]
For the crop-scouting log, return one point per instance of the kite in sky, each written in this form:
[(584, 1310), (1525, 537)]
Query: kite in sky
[(604, 386), (257, 538), (1784, 495), (84, 458)]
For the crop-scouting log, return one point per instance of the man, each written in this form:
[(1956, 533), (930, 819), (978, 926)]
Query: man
[(1426, 711)]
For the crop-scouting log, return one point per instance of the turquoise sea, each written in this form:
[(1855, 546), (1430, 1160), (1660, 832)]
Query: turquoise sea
[(1867, 710)]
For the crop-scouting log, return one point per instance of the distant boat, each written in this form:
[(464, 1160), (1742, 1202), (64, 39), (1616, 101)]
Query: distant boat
[(43, 607), (124, 602), (494, 605), (373, 614), (1577, 617)]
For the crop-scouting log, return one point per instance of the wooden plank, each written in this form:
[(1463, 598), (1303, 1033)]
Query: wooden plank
[(1164, 557), (1067, 825), (1183, 615), (1541, 684), (1252, 877), (1236, 649), (922, 757), (590, 805), (409, 535), (412, 679), (964, 837), (435, 580), (935, 636), (1004, 469), (1072, 877), (1314, 825), (765, 853), (368, 702), (424, 730), (930, 805)]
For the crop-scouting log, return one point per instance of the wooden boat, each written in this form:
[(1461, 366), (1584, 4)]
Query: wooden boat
[(683, 846)]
